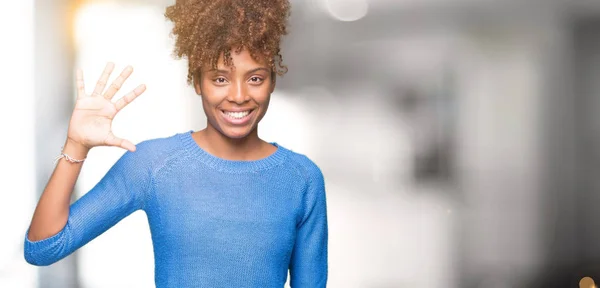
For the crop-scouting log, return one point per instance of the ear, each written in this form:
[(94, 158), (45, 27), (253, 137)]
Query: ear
[(197, 81), (273, 81)]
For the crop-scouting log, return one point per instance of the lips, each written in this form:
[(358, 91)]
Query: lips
[(237, 117), (237, 114)]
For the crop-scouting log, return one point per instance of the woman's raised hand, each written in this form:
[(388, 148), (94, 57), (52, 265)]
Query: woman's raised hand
[(91, 122)]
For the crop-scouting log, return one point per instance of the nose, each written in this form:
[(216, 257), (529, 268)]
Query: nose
[(238, 94)]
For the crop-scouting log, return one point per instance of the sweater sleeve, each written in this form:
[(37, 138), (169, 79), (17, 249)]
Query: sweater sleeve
[(308, 265), (119, 193)]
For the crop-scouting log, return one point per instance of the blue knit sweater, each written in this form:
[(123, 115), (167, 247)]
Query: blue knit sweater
[(214, 222)]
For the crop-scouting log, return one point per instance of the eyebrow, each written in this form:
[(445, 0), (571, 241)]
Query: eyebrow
[(220, 71), (258, 69)]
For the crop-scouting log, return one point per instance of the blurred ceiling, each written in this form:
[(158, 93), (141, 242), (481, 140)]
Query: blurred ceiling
[(411, 4), (334, 61), (400, 9)]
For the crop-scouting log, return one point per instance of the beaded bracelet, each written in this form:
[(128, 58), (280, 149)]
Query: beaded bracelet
[(68, 158)]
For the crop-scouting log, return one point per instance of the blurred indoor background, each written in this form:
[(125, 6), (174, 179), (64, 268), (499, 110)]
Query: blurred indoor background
[(459, 139)]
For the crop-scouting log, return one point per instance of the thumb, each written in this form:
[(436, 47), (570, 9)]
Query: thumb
[(113, 140)]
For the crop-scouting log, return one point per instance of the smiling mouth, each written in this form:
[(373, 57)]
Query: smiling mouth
[(237, 114)]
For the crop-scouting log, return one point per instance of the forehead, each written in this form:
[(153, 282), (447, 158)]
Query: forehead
[(242, 61)]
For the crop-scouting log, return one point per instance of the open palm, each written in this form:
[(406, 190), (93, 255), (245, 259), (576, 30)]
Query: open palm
[(91, 122)]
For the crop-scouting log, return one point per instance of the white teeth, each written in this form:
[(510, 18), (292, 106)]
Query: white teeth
[(237, 115)]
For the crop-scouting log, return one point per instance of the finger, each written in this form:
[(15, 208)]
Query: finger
[(130, 97), (80, 85), (101, 84), (113, 140), (118, 83)]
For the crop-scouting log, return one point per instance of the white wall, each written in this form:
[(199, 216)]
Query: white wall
[(136, 35), (501, 95), (17, 174)]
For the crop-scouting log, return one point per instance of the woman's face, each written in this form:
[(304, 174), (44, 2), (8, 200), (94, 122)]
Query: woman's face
[(235, 98)]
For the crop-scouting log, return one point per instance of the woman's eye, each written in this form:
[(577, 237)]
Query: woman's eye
[(220, 80), (255, 79)]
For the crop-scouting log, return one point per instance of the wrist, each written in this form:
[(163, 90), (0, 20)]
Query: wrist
[(75, 150)]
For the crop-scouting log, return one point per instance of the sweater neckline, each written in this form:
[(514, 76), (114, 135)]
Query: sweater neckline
[(221, 164)]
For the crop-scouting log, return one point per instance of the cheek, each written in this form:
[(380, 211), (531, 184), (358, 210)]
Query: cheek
[(209, 106), (261, 95), (264, 106), (265, 103), (213, 96)]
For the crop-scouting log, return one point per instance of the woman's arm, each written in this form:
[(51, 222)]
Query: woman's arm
[(52, 211), (90, 126), (119, 193), (308, 265)]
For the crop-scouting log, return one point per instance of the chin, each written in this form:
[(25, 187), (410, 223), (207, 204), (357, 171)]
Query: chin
[(236, 133)]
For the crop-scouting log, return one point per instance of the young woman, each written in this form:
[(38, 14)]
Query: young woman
[(225, 208)]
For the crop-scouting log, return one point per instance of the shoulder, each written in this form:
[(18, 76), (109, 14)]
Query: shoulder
[(306, 168), (314, 193), (153, 153), (159, 145)]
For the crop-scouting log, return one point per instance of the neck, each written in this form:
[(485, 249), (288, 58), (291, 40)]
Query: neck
[(250, 147)]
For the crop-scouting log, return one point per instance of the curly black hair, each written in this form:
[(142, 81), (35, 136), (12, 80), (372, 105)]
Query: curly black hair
[(207, 29)]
